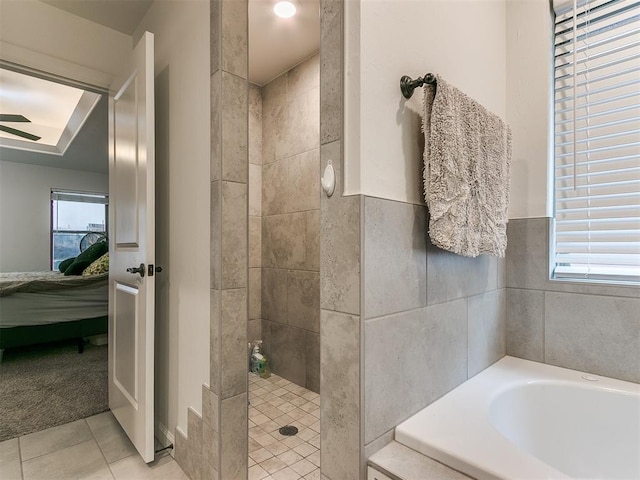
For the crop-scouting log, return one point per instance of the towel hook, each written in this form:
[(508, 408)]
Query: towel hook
[(407, 85)]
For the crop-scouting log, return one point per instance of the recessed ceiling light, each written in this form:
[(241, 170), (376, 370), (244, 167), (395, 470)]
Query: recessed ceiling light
[(285, 9)]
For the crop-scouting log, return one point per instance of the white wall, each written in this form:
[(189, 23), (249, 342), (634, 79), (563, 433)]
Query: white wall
[(529, 84), (462, 40), (25, 211), (37, 35), (181, 30)]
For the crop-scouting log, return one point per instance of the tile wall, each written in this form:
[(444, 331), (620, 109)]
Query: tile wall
[(288, 268), (583, 326), (215, 444), (432, 319)]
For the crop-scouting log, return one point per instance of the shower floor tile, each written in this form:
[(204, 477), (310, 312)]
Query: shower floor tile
[(273, 403)]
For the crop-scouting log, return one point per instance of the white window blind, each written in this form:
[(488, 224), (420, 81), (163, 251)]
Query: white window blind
[(597, 141)]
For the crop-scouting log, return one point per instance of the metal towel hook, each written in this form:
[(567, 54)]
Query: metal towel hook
[(407, 85)]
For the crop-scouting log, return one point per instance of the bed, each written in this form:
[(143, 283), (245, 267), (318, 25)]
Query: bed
[(39, 307)]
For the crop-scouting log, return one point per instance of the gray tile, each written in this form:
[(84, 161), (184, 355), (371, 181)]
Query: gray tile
[(596, 334), (395, 255), (215, 34), (255, 125), (283, 241), (255, 190), (340, 243), (53, 439), (234, 110), (234, 36), (210, 447), (83, 460), (234, 343), (340, 395), (451, 276), (134, 468), (303, 124), (234, 235), (255, 242), (312, 361), (254, 330), (215, 236), (407, 463), (379, 443), (255, 293), (303, 181), (285, 348), (216, 130), (210, 408), (195, 427), (184, 456), (304, 77), (234, 453), (112, 440), (525, 324), (274, 295), (312, 245), (331, 85), (10, 460), (527, 253), (215, 347), (276, 188), (487, 325), (303, 299), (411, 359)]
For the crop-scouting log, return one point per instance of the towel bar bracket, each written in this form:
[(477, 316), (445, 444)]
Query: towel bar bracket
[(408, 85)]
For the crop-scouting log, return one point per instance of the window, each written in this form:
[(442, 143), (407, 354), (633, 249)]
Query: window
[(73, 215), (597, 140)]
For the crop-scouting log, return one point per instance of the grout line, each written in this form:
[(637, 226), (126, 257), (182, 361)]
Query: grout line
[(20, 458)]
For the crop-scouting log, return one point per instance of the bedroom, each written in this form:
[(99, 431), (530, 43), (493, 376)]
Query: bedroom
[(49, 202)]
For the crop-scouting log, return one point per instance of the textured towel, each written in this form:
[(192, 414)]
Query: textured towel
[(467, 158)]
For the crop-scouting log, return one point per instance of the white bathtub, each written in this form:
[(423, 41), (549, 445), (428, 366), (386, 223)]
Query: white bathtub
[(525, 420)]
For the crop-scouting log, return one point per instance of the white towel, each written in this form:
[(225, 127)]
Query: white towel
[(467, 160)]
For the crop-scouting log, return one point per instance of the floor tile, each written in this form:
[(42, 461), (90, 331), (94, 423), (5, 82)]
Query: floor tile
[(257, 473), (286, 474), (53, 439), (112, 440), (10, 468), (134, 468), (303, 467), (83, 461)]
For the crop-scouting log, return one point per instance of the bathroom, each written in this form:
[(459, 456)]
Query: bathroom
[(391, 302), (397, 323)]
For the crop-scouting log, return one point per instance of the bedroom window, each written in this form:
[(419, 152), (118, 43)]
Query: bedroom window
[(597, 141), (74, 215)]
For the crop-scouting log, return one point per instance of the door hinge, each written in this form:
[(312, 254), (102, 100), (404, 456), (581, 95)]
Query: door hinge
[(150, 270)]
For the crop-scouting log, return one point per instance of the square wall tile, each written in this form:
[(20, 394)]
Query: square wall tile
[(527, 253), (303, 299), (395, 256), (411, 359), (486, 315), (451, 276), (592, 333), (234, 432), (234, 235), (234, 128), (234, 342), (525, 324), (234, 36), (255, 293), (340, 395)]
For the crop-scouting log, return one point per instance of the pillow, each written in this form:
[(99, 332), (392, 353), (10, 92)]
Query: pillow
[(64, 264), (99, 266), (86, 258)]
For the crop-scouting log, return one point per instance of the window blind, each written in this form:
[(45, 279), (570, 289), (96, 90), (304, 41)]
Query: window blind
[(597, 141)]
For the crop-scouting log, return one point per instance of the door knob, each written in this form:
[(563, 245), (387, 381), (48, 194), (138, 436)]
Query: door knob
[(139, 269)]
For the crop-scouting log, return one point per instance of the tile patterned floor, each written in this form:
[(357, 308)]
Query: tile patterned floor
[(93, 448), (274, 403)]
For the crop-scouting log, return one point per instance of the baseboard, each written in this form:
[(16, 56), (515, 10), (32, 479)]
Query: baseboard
[(164, 436)]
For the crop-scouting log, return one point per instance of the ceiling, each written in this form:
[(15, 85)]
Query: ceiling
[(277, 44), (121, 15)]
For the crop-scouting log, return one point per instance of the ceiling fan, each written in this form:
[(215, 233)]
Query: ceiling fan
[(13, 131)]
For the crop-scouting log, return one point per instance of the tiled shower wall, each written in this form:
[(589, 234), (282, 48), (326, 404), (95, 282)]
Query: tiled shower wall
[(583, 326), (432, 319), (285, 168)]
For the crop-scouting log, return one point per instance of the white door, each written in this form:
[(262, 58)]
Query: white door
[(132, 249)]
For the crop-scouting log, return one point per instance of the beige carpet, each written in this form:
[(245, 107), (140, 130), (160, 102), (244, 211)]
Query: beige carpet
[(45, 386)]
